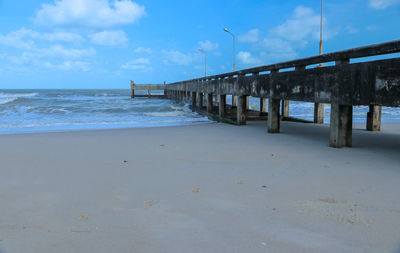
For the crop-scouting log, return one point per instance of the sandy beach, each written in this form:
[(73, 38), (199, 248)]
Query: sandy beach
[(201, 188)]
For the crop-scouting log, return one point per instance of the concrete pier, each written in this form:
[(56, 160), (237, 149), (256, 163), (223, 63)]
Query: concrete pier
[(200, 100), (374, 118), (341, 126), (373, 83), (210, 103), (263, 105), (242, 110), (285, 108), (319, 110), (222, 106), (273, 115), (148, 88), (194, 104)]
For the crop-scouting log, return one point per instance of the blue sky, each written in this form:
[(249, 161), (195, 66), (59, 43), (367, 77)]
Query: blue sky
[(106, 43)]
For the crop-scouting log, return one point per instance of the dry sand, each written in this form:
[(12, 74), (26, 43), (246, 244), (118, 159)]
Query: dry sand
[(202, 188)]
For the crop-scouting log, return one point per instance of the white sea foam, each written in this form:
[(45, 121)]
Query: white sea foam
[(17, 95), (166, 114), (7, 100)]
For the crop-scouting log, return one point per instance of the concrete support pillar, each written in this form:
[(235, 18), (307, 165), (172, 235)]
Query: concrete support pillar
[(194, 95), (263, 105), (341, 126), (241, 110), (132, 89), (247, 102), (200, 100), (285, 108), (222, 105), (234, 101), (209, 103), (319, 110), (273, 115), (374, 118)]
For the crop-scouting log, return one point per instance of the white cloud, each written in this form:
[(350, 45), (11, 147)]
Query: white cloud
[(89, 13), (139, 50), (68, 65), (62, 37), (350, 30), (138, 64), (109, 38), (283, 41), (382, 4), (21, 39), (25, 38), (371, 28), (304, 24), (208, 45), (278, 49), (58, 51), (247, 59), (251, 36), (176, 57)]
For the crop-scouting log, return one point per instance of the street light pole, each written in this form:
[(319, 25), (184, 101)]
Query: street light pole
[(322, 22), (234, 46), (205, 61), (319, 107)]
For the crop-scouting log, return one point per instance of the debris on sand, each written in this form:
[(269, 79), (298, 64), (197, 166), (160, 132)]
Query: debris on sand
[(149, 203), (82, 217)]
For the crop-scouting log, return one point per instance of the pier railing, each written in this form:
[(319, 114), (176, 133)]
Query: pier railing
[(373, 83), (345, 55)]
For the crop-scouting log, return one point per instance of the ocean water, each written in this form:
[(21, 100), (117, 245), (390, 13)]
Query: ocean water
[(25, 111)]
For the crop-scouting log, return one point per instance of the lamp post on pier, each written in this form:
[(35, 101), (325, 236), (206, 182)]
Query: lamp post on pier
[(322, 22), (319, 107), (234, 60), (205, 61), (234, 46)]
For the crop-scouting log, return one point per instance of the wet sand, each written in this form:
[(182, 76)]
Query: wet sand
[(201, 188)]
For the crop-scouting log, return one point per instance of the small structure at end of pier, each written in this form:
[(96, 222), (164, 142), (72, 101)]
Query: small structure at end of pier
[(149, 88)]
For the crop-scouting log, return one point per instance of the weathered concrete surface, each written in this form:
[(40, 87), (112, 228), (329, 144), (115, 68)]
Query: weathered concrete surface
[(263, 105), (341, 126), (368, 83), (319, 113), (273, 115), (374, 118), (194, 96), (241, 110), (210, 103), (222, 106)]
